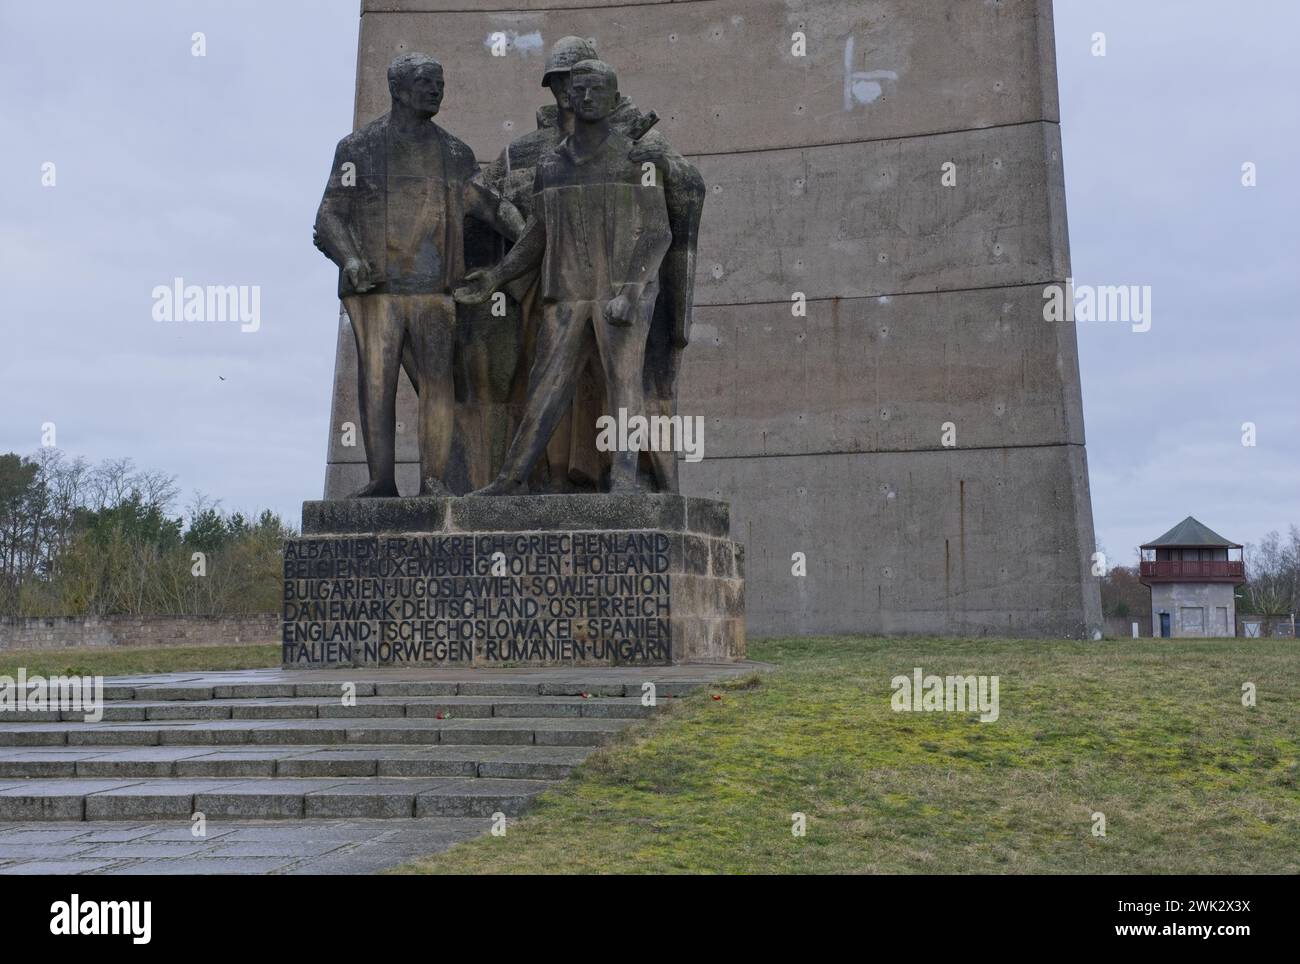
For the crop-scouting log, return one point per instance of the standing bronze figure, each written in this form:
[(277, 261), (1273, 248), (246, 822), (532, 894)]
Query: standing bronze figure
[(392, 220), (573, 196), (599, 230)]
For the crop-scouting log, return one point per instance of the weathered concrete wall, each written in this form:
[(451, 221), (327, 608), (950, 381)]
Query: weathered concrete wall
[(924, 302), (1216, 602), (59, 632)]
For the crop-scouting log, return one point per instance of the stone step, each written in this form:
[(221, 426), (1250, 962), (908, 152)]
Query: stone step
[(156, 762), (627, 686), (542, 731), (253, 746), (275, 798), (310, 708)]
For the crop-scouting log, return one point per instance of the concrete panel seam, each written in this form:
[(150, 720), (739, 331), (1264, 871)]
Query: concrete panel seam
[(522, 10), (906, 451), (830, 452), (883, 294), (877, 140)]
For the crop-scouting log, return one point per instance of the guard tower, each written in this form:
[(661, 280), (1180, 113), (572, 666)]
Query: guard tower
[(1192, 577)]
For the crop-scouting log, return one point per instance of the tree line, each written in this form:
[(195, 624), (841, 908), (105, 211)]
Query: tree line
[(107, 539)]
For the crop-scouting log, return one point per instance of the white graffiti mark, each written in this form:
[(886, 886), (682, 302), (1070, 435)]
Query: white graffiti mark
[(862, 86)]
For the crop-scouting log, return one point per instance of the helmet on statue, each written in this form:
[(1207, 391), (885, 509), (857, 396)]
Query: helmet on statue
[(566, 52)]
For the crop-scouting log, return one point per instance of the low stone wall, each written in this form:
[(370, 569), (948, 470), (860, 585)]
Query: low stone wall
[(59, 632)]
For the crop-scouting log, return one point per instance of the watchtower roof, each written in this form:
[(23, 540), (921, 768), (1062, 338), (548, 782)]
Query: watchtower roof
[(1191, 534)]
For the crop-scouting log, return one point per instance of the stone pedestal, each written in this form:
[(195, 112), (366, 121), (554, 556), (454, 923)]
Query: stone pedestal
[(584, 580)]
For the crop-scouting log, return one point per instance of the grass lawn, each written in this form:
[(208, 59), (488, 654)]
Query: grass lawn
[(100, 661), (1151, 733)]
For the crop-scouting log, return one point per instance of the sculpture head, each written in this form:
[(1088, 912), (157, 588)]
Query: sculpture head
[(415, 81), (565, 52), (593, 90)]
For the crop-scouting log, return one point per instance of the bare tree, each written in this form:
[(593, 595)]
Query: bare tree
[(156, 489), (1271, 571), (110, 483)]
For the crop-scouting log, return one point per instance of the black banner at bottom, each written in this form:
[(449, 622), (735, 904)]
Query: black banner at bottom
[(183, 915)]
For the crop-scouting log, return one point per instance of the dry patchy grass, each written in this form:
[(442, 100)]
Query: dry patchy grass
[(1151, 733)]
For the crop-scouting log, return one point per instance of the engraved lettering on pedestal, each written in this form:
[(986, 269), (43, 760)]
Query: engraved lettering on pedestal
[(564, 597)]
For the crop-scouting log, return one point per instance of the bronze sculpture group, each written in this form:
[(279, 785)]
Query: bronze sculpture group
[(602, 214)]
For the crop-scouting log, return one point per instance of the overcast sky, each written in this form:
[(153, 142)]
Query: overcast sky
[(211, 169)]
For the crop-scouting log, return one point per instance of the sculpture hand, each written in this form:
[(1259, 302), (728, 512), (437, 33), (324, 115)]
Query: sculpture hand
[(477, 289), (357, 273), (655, 153), (621, 311)]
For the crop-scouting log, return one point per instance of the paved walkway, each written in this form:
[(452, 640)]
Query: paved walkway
[(317, 771), (230, 847)]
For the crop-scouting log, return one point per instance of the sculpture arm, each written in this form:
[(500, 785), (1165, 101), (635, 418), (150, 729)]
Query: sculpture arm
[(653, 239), (526, 254), (331, 232), (495, 173), (678, 172), (489, 206), (651, 245)]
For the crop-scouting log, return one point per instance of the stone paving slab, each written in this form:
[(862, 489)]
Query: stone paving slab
[(310, 682), (288, 797), (42, 851), (51, 868), (202, 864), (394, 797), (552, 731), (51, 799), (149, 800), (185, 831), (117, 835), (280, 798), (230, 847), (261, 798), (152, 849), (335, 760), (44, 834), (272, 847), (116, 766), (479, 798), (258, 708), (54, 767), (376, 706)]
